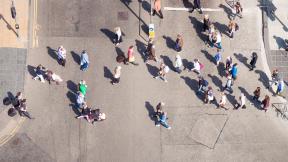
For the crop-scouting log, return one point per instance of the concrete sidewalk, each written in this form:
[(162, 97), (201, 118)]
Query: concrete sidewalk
[(13, 52), (275, 32)]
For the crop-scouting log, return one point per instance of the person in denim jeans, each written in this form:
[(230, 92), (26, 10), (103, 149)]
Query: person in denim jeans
[(163, 120)]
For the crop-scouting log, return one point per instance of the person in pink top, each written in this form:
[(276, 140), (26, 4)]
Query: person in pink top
[(130, 56), (157, 8)]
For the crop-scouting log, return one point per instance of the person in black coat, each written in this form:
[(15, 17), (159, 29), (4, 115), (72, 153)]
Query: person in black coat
[(253, 61)]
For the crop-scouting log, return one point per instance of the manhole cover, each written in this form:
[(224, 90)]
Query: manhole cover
[(123, 15)]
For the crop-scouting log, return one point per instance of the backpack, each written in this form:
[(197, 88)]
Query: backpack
[(12, 112), (205, 83)]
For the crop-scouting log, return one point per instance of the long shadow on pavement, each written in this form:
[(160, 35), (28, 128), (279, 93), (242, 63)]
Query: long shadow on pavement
[(170, 43), (108, 33), (141, 48), (217, 82), (198, 27), (193, 84), (52, 53), (222, 28), (280, 42), (208, 56), (72, 86), (151, 111), (146, 6), (263, 78), (153, 70), (187, 64), (72, 97), (221, 69), (187, 4), (119, 51), (227, 10), (31, 70), (107, 73), (232, 100), (76, 57), (242, 59), (167, 61)]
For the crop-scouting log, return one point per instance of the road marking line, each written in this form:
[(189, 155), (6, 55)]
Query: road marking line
[(190, 9), (35, 25), (13, 132)]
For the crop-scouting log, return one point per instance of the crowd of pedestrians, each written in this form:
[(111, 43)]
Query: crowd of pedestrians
[(214, 40)]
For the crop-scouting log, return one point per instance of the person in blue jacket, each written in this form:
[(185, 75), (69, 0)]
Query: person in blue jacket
[(234, 71)]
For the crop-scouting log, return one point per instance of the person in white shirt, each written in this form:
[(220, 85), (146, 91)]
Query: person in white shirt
[(178, 64), (164, 69), (196, 67), (118, 36), (223, 101), (117, 74), (242, 100), (61, 55)]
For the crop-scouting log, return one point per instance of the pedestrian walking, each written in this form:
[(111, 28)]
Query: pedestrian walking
[(61, 52), (23, 109), (275, 78), (239, 9), (211, 32), (223, 101), (253, 61), (179, 43), (228, 64), (157, 8), (209, 96), (80, 100), (218, 57), (56, 78), (232, 27), (257, 93), (265, 103), (82, 87), (234, 71), (16, 102), (178, 64), (280, 87), (150, 51), (218, 43), (163, 120), (197, 5), (202, 85), (206, 23), (159, 111), (242, 102), (118, 36), (117, 74), (40, 71), (130, 56), (163, 70), (197, 66), (229, 83), (84, 60)]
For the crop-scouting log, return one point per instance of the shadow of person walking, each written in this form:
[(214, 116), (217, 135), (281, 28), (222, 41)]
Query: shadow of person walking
[(107, 73), (109, 34), (151, 111), (52, 53), (153, 70), (170, 43), (76, 57), (242, 59), (208, 56), (198, 25)]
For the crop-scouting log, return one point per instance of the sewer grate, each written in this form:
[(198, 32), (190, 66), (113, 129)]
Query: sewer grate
[(123, 15)]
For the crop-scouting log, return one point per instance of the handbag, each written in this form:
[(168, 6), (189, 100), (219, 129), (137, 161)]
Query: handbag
[(131, 59)]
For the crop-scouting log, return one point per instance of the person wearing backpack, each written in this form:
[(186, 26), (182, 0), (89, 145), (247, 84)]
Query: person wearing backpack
[(197, 66), (234, 71), (202, 85)]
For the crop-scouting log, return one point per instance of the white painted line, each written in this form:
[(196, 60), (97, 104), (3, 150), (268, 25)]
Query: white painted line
[(190, 9)]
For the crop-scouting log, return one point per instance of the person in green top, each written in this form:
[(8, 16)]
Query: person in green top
[(82, 87)]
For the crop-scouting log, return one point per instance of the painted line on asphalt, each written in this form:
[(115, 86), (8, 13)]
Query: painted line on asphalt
[(190, 9), (35, 25), (13, 132)]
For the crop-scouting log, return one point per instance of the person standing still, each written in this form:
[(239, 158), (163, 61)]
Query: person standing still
[(130, 56), (61, 55), (206, 23), (157, 8), (218, 57), (117, 74), (253, 61), (84, 60), (232, 27)]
